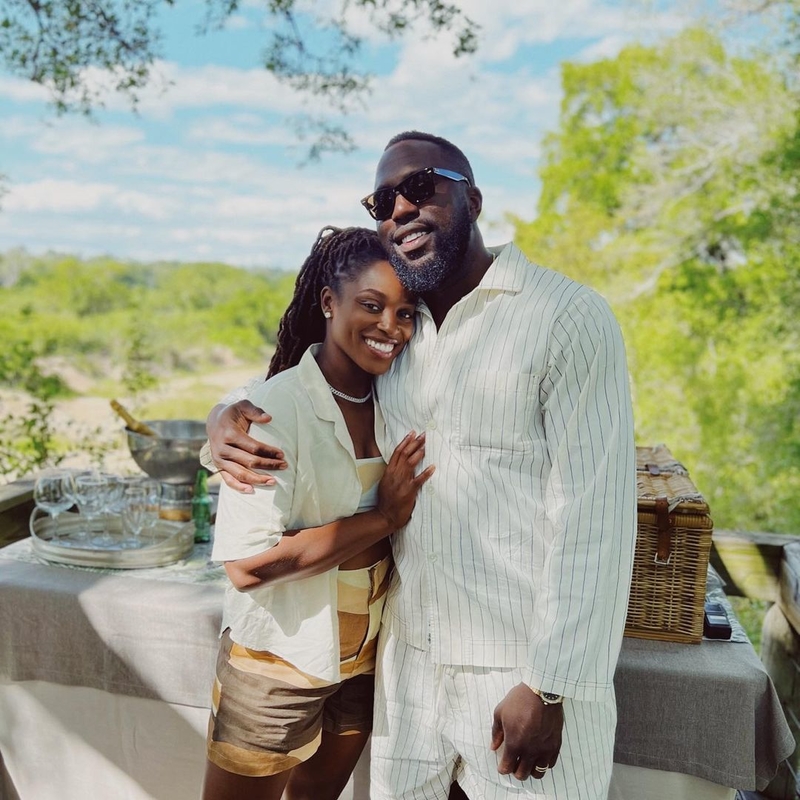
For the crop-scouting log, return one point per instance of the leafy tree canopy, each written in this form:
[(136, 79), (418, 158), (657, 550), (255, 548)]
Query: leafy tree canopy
[(671, 186), (57, 43)]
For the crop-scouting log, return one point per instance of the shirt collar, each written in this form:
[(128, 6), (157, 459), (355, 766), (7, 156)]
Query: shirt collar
[(317, 387), (507, 273)]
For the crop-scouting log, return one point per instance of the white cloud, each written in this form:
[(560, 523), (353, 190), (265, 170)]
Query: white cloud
[(508, 25), (213, 86), (56, 195), (84, 141), (208, 169), (247, 129), (147, 205), (21, 90), (238, 22)]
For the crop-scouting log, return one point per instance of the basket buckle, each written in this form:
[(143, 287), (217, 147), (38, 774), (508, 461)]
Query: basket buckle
[(664, 545)]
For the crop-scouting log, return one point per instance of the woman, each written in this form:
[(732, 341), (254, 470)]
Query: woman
[(307, 557)]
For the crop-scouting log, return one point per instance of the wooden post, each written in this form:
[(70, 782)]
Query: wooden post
[(16, 504), (780, 653)]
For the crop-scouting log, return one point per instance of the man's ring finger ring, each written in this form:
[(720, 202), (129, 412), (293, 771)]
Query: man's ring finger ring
[(541, 769)]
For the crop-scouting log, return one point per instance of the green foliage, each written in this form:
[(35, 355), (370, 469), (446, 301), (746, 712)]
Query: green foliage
[(750, 614), (26, 439), (128, 324), (140, 357), (147, 318), (670, 186)]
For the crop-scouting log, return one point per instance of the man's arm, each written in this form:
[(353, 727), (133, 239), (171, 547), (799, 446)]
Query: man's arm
[(579, 615), (230, 449)]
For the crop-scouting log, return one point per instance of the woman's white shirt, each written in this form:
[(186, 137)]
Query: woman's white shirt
[(296, 620)]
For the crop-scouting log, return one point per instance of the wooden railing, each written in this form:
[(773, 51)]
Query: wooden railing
[(16, 504), (766, 566)]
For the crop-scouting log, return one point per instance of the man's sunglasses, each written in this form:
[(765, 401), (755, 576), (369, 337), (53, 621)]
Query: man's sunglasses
[(416, 188)]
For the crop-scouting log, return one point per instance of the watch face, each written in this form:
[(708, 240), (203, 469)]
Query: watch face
[(551, 698)]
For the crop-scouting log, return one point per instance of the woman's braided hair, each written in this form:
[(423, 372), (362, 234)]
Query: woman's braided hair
[(338, 255)]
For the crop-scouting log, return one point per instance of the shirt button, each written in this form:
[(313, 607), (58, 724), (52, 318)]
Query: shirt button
[(429, 488), (431, 424), (432, 557)]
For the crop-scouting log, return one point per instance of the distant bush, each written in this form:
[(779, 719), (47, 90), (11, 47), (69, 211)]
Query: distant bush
[(90, 310), (128, 322)]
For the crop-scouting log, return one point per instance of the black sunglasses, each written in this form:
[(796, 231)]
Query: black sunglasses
[(416, 188)]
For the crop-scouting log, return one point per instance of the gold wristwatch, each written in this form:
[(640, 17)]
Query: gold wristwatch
[(548, 698)]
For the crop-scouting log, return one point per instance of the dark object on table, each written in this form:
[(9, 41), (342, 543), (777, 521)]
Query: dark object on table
[(715, 622)]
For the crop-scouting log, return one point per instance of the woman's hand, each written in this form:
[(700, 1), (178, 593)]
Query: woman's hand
[(397, 491), (235, 453)]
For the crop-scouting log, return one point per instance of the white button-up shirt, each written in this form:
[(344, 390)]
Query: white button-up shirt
[(297, 620), (520, 548)]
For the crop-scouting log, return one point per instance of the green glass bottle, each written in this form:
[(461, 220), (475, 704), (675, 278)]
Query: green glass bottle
[(201, 508)]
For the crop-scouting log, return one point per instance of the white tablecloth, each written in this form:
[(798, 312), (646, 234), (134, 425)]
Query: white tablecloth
[(105, 680), (74, 743)]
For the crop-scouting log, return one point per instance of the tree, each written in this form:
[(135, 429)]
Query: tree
[(57, 43), (670, 185)]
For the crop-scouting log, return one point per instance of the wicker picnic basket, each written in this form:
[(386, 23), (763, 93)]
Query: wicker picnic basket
[(673, 543)]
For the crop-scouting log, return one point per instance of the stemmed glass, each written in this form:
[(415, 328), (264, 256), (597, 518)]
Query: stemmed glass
[(90, 489), (52, 493), (134, 514), (153, 490), (112, 500)]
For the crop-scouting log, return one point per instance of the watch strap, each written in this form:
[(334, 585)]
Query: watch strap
[(548, 698)]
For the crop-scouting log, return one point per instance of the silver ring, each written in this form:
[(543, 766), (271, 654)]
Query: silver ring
[(541, 769)]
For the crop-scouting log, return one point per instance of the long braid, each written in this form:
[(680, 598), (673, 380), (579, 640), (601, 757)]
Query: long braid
[(338, 254)]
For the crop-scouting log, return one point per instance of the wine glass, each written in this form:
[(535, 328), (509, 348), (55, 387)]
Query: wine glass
[(52, 494), (134, 514), (153, 490), (112, 505), (90, 491)]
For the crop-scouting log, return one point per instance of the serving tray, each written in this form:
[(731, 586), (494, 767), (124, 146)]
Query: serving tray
[(166, 543)]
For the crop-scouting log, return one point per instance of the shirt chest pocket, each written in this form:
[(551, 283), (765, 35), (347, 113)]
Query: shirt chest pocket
[(495, 410)]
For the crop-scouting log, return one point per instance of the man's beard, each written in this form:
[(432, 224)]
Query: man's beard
[(443, 266)]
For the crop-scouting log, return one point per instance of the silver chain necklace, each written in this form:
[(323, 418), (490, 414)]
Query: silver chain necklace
[(350, 398)]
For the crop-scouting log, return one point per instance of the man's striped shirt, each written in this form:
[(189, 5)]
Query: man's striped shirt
[(520, 547)]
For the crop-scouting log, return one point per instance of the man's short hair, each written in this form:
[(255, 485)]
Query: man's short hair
[(462, 162)]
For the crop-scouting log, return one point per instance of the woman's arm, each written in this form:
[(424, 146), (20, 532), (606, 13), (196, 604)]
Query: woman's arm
[(312, 551)]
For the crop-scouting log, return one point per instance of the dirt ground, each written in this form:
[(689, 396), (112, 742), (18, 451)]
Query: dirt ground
[(92, 416)]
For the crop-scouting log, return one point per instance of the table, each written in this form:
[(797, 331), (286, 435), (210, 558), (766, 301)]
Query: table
[(105, 680)]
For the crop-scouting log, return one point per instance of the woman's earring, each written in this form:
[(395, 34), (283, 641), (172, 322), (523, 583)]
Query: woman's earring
[(326, 314)]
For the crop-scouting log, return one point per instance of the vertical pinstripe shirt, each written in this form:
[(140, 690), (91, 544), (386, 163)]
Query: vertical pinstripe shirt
[(520, 548)]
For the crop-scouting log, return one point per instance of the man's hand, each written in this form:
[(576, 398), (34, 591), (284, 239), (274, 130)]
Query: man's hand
[(235, 453), (531, 732)]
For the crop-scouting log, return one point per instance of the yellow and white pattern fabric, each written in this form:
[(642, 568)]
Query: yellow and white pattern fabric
[(267, 715)]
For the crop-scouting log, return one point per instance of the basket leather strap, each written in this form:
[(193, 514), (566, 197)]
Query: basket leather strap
[(664, 542)]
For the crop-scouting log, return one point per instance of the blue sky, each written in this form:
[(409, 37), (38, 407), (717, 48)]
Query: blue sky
[(209, 169)]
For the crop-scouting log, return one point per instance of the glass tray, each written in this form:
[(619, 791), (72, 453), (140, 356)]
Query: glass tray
[(166, 543)]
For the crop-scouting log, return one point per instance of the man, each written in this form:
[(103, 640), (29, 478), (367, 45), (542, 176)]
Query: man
[(505, 618)]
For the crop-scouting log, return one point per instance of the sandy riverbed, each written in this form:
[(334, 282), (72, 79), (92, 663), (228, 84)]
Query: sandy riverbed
[(90, 417)]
